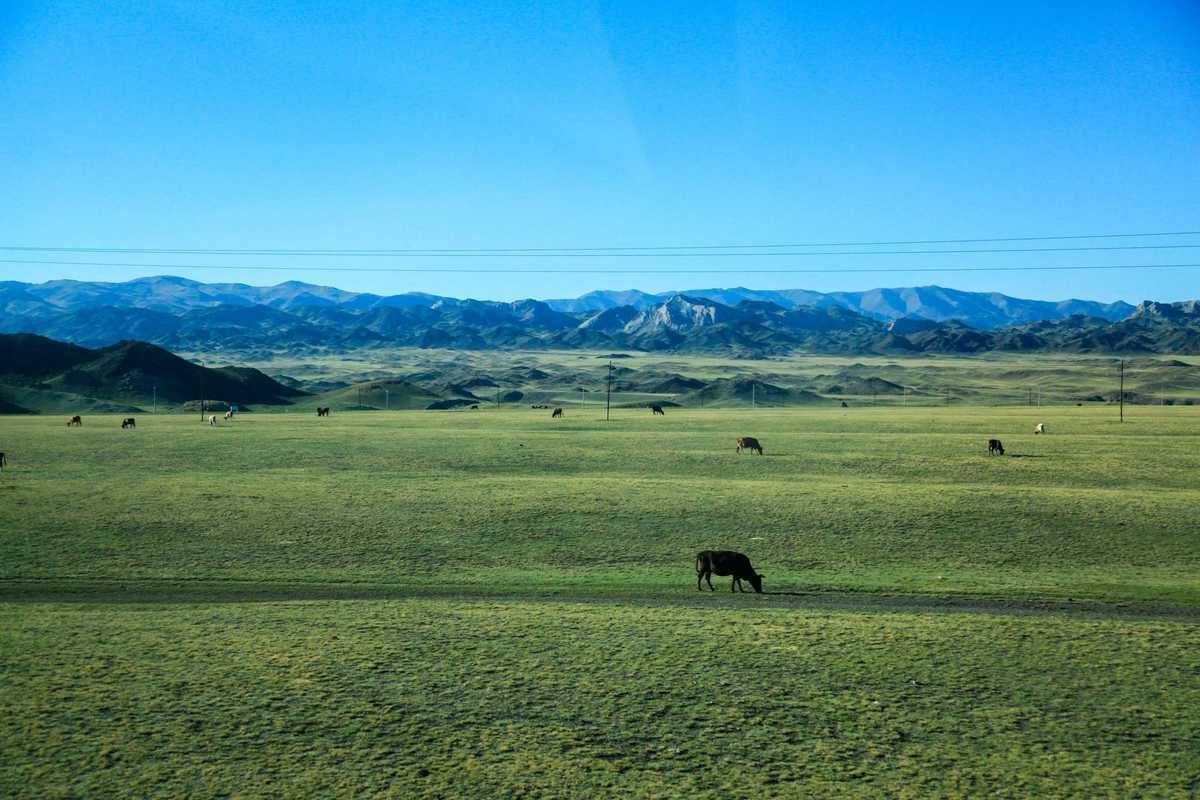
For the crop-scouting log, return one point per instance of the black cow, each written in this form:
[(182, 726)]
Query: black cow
[(726, 562), (657, 409), (748, 443), (994, 447), (128, 422), (556, 413), (3, 461), (323, 412)]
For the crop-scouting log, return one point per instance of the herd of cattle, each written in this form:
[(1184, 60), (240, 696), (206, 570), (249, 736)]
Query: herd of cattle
[(723, 563), (994, 446)]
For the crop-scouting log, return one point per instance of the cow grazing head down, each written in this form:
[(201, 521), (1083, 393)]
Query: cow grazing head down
[(726, 563)]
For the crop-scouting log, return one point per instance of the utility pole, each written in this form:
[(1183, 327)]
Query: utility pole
[(1122, 366), (155, 399), (753, 395), (608, 394), (387, 400), (947, 395)]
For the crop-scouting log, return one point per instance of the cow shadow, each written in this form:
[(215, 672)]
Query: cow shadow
[(1024, 455)]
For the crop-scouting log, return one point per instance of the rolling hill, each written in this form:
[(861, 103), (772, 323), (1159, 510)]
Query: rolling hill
[(37, 373)]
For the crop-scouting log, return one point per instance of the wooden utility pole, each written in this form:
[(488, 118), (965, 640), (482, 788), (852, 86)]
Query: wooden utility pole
[(608, 394), (1122, 366)]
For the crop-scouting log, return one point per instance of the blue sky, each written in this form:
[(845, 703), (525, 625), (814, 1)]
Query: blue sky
[(489, 125)]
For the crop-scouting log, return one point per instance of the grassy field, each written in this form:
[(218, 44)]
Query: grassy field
[(490, 603)]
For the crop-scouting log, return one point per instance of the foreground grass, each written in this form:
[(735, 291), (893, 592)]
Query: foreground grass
[(441, 698)]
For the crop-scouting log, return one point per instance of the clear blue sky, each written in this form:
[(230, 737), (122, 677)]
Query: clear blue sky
[(418, 125)]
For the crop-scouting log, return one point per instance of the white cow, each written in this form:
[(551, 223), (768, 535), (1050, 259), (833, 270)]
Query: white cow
[(1040, 428), (229, 415), (212, 419)]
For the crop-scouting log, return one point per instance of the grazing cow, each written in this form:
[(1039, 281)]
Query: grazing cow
[(322, 412), (726, 562), (212, 419), (1040, 428), (657, 409), (128, 422), (844, 404), (474, 408), (556, 413), (76, 420), (3, 462), (747, 443), (229, 415), (994, 447)]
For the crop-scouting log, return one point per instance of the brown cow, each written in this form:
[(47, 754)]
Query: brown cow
[(748, 443), (556, 413), (76, 420), (726, 562)]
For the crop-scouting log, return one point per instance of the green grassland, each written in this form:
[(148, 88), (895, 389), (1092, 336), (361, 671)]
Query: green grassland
[(491, 603)]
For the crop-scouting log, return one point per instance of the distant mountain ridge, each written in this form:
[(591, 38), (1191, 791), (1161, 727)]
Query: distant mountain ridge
[(188, 316), (174, 295), (982, 310)]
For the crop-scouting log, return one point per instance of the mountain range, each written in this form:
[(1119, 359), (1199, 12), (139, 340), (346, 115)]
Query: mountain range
[(185, 315)]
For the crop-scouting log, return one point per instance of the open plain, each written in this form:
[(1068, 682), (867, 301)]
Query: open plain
[(494, 603)]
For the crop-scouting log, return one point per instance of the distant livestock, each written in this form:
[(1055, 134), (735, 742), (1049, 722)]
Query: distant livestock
[(229, 415), (556, 413), (76, 420), (657, 409), (212, 419), (747, 443), (128, 422), (1040, 428), (3, 462), (994, 447), (323, 412), (726, 562)]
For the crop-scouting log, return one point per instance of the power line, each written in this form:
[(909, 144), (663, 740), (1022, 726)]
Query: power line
[(605, 271), (523, 250), (577, 254)]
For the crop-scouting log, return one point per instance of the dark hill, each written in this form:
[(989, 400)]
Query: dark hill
[(132, 372), (32, 355)]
